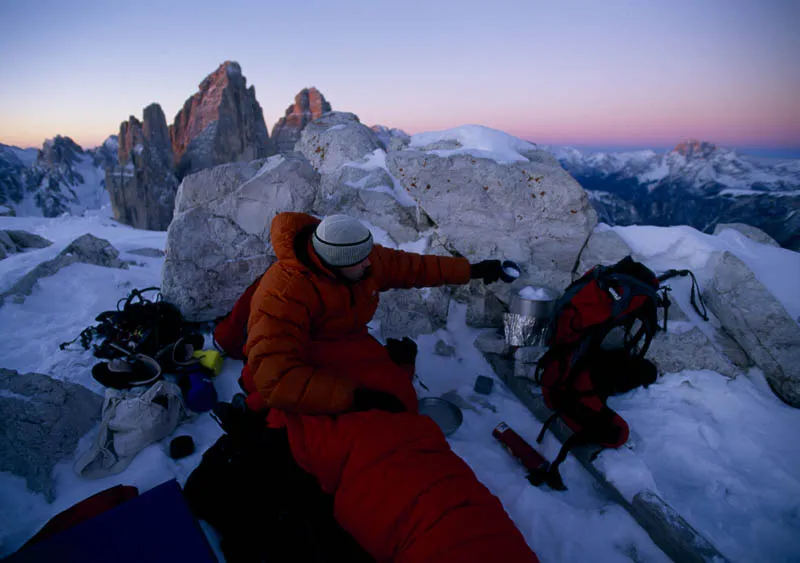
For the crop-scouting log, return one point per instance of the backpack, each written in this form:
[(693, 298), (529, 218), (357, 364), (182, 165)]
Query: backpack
[(601, 330), (137, 326)]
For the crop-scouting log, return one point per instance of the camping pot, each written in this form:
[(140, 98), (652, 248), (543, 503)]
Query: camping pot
[(528, 321), (445, 414)]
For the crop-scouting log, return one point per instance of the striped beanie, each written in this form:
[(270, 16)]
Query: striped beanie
[(342, 241)]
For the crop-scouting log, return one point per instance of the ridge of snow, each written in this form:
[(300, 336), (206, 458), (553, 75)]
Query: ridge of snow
[(477, 141)]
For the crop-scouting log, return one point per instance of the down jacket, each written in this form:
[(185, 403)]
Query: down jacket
[(398, 488)]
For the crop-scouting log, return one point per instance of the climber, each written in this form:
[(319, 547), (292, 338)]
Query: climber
[(348, 403)]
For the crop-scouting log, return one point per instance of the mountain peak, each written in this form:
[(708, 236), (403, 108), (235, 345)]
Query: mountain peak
[(695, 149)]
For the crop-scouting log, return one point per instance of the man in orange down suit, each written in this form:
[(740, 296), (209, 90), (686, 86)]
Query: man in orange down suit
[(350, 411)]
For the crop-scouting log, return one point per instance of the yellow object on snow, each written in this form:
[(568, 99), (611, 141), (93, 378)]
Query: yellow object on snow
[(210, 359)]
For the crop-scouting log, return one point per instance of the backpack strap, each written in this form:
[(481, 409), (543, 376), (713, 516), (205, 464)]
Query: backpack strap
[(695, 296)]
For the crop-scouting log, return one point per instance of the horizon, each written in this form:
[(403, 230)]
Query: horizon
[(623, 76)]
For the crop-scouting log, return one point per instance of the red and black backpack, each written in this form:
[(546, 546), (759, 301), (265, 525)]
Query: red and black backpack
[(602, 327)]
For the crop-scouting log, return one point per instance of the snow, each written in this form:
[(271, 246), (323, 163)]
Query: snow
[(26, 156), (722, 451), (536, 294), (377, 160), (477, 141), (683, 247)]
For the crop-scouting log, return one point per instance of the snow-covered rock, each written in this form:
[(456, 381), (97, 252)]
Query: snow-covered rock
[(334, 139), (59, 178), (758, 322), (749, 231), (309, 104), (512, 201), (87, 249)]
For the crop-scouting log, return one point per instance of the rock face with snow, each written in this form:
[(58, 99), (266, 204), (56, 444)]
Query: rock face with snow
[(13, 241), (59, 178), (142, 187), (759, 324), (696, 184), (528, 210), (43, 419), (223, 122), (86, 248), (750, 232), (308, 105), (218, 243), (336, 139)]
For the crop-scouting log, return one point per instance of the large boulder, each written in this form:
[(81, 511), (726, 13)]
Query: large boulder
[(678, 350), (218, 242), (87, 249), (758, 322), (142, 186), (223, 122), (528, 209), (43, 419), (309, 104), (335, 139)]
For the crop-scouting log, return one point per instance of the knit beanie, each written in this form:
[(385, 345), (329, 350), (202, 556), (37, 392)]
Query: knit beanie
[(342, 241)]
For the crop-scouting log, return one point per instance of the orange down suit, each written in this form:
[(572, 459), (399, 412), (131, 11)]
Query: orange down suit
[(398, 488)]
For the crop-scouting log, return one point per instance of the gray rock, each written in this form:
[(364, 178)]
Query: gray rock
[(411, 313), (604, 247), (334, 139), (444, 349), (750, 232), (371, 195), (142, 187), (758, 322), (492, 342), (531, 212), (24, 239), (206, 189), (43, 419), (218, 242), (690, 350), (149, 252), (7, 245), (391, 139), (86, 248), (484, 307)]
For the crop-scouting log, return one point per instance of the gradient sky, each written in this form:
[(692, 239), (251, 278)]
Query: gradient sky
[(582, 72)]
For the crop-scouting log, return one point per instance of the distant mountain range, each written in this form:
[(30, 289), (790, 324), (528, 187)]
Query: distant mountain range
[(59, 178), (697, 184)]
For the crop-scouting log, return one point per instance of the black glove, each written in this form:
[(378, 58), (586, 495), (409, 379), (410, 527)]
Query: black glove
[(368, 399), (489, 270), (402, 352)]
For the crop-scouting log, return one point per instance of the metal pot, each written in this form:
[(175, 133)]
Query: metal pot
[(528, 320)]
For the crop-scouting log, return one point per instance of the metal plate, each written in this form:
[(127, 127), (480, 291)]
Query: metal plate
[(444, 413)]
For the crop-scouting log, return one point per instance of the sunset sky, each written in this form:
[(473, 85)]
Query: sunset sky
[(599, 73)]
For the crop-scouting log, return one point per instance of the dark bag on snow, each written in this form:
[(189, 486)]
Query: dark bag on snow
[(602, 328), (137, 326)]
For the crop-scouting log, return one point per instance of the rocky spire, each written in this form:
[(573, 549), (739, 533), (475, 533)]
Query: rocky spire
[(223, 122), (142, 188), (695, 149), (308, 105)]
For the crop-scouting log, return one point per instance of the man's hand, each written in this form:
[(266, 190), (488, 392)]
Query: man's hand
[(488, 270), (402, 352), (368, 399)]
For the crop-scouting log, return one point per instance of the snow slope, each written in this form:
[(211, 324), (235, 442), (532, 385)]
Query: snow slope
[(722, 452)]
